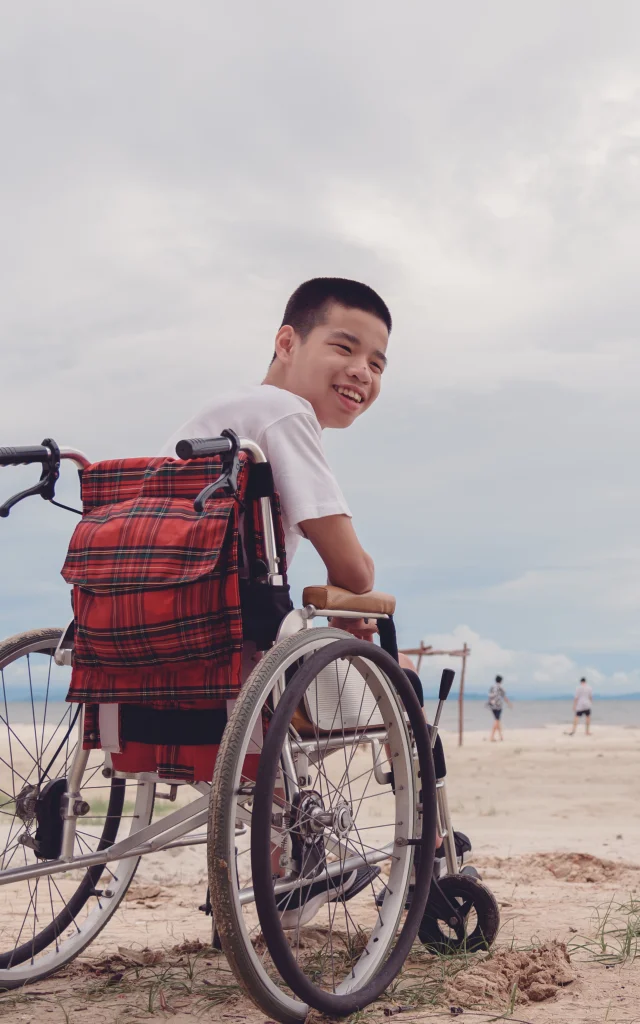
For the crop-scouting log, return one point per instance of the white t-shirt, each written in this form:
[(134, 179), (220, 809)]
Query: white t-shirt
[(584, 697), (287, 429)]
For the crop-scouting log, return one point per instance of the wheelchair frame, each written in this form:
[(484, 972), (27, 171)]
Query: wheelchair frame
[(179, 827)]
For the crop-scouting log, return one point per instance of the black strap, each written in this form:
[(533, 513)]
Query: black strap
[(187, 727), (416, 682), (388, 639), (260, 483)]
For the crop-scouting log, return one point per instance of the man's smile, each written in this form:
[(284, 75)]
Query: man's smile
[(349, 395)]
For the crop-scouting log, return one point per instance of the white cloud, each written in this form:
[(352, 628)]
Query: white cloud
[(478, 164), (526, 673)]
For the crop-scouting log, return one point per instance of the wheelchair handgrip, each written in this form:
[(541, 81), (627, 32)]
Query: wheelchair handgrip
[(203, 447), (23, 455)]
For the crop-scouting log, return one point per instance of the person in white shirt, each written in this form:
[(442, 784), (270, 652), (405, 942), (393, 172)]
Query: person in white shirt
[(582, 705), (327, 367)]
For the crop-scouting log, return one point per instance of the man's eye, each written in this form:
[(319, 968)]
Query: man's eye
[(345, 348), (377, 367)]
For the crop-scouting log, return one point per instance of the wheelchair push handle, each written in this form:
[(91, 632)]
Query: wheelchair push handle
[(24, 455), (48, 455), (203, 447)]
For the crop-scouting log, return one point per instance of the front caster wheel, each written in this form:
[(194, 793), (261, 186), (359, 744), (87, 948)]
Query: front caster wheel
[(478, 917)]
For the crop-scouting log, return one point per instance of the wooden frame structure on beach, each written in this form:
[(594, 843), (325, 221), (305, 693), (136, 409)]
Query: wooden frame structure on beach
[(425, 651)]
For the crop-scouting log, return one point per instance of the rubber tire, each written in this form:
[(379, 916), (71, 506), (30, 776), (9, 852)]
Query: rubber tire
[(339, 1005), (468, 889), (221, 840), (12, 646)]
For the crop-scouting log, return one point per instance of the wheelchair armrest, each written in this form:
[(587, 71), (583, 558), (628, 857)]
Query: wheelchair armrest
[(336, 599)]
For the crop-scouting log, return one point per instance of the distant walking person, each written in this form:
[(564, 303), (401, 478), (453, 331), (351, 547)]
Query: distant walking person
[(497, 697), (582, 704)]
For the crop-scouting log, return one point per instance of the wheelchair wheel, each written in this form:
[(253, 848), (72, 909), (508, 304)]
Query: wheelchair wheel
[(48, 920), (480, 913), (231, 811), (336, 925)]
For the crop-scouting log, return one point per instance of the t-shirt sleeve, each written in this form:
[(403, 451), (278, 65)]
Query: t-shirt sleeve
[(302, 476)]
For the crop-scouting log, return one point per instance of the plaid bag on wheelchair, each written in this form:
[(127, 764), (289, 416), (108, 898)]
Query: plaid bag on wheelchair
[(156, 597)]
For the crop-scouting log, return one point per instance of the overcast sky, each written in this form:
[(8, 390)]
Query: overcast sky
[(171, 172)]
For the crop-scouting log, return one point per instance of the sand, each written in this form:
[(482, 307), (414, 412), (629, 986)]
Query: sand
[(555, 826)]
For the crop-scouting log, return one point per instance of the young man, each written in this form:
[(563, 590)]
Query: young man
[(330, 354), (582, 705), (326, 370), (497, 697)]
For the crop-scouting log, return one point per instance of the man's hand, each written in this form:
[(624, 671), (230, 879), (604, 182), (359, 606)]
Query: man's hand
[(363, 630)]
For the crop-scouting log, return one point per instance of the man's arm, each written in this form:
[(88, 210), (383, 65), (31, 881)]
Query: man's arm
[(348, 564)]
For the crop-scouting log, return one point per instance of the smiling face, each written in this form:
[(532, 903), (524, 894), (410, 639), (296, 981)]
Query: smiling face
[(337, 367)]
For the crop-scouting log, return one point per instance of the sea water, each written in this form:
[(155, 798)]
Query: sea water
[(532, 714), (525, 714)]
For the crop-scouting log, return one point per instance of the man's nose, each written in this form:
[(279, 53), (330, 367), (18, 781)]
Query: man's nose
[(361, 371)]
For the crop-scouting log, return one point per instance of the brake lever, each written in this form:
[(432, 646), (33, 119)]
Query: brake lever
[(6, 507), (46, 486), (228, 479)]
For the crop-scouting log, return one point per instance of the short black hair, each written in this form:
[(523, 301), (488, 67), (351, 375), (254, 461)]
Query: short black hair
[(498, 679), (583, 680), (307, 306)]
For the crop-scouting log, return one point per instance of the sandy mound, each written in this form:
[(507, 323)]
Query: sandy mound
[(145, 893), (534, 975), (567, 867), (582, 867)]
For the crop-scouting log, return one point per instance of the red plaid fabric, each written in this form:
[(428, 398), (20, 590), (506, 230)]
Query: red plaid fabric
[(156, 599), (156, 593)]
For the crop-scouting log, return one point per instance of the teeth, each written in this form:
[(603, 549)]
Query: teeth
[(350, 394)]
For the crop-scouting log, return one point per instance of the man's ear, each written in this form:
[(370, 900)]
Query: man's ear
[(284, 343)]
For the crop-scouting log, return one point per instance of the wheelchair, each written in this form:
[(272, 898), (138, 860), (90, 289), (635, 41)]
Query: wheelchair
[(311, 783)]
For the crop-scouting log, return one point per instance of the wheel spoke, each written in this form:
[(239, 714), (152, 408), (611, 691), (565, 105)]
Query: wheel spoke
[(53, 916), (33, 710), (46, 701)]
